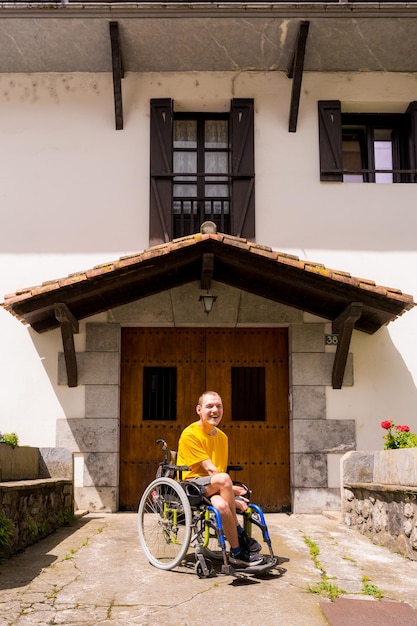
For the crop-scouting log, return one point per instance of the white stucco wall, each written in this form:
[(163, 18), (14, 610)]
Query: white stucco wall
[(74, 192)]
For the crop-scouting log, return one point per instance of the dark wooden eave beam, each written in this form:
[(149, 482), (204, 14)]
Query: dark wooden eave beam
[(207, 270), (69, 325), (118, 73), (296, 73), (343, 326)]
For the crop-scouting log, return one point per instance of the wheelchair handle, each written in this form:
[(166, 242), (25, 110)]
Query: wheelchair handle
[(164, 450)]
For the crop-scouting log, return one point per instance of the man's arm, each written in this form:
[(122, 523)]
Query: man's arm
[(209, 467)]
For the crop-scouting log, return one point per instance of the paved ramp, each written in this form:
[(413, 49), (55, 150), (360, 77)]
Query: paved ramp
[(94, 573)]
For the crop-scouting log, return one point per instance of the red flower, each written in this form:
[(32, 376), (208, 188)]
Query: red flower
[(403, 429), (386, 425)]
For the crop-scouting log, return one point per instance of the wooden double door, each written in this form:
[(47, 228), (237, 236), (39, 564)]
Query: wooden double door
[(163, 372)]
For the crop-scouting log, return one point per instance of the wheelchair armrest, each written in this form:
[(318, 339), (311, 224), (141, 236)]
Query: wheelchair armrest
[(234, 468), (174, 470), (177, 468)]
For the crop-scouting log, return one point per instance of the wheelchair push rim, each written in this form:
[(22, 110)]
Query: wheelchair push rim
[(164, 523)]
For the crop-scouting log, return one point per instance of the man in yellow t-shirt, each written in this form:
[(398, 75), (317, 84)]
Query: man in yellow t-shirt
[(204, 449)]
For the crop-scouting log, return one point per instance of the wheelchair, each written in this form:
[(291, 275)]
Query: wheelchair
[(173, 515)]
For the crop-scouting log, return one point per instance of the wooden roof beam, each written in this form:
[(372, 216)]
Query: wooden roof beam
[(295, 72), (207, 270), (343, 325), (118, 73), (69, 325)]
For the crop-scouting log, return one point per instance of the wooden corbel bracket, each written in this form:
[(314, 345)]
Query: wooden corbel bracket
[(69, 326), (207, 270), (118, 73), (295, 72), (343, 326)]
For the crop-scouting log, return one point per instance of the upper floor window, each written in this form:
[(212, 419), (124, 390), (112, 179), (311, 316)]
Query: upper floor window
[(363, 147), (201, 181), (202, 168)]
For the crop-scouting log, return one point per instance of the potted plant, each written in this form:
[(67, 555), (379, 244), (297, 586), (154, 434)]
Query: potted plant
[(398, 436)]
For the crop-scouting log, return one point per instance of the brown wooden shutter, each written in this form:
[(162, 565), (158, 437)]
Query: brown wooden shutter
[(160, 230), (243, 168), (330, 140), (412, 113)]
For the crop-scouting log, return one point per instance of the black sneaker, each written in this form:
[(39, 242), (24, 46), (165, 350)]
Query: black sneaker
[(249, 544), (245, 559)]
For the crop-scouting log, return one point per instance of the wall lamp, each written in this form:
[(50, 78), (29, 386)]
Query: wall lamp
[(208, 300)]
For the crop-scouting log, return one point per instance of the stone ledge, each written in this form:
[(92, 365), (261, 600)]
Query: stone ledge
[(381, 487), (40, 482)]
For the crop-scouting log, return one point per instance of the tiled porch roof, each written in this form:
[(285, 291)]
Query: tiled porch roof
[(237, 262)]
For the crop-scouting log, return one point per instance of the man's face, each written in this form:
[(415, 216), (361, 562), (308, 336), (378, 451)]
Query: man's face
[(210, 411)]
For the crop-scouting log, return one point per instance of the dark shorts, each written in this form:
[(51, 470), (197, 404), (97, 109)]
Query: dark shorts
[(202, 482)]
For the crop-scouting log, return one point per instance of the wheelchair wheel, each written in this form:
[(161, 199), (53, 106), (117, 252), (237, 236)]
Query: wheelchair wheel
[(164, 523), (199, 569)]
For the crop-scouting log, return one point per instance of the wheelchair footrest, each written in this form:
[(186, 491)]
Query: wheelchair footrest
[(255, 569)]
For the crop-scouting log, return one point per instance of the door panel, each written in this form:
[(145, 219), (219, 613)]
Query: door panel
[(261, 447), (154, 347), (204, 359)]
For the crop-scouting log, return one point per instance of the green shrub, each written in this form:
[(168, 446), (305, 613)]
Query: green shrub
[(6, 532), (10, 438)]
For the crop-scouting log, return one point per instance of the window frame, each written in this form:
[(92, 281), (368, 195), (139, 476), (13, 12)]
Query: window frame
[(201, 176), (366, 124), (333, 124), (242, 169)]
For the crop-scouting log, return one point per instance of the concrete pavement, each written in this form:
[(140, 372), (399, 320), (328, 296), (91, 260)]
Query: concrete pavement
[(95, 573)]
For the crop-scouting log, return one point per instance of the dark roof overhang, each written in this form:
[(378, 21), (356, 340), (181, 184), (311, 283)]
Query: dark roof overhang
[(236, 262)]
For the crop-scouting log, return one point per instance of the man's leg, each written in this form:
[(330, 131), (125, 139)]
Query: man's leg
[(223, 499), (220, 491)]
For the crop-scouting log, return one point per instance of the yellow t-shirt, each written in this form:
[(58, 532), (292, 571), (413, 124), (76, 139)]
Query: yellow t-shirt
[(195, 446)]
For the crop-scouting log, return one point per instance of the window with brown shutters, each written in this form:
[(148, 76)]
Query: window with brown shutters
[(367, 147), (202, 168)]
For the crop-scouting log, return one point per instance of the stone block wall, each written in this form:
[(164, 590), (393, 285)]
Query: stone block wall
[(95, 438), (35, 508), (27, 463), (313, 436), (379, 497), (18, 463)]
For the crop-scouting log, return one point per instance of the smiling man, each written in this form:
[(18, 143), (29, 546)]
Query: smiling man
[(204, 449)]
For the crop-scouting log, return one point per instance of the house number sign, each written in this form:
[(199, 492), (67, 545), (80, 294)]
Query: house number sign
[(331, 340)]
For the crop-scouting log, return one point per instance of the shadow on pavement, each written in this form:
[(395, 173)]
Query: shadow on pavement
[(21, 568)]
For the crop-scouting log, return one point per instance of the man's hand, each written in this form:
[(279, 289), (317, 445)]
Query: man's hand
[(240, 490), (241, 504), (241, 501)]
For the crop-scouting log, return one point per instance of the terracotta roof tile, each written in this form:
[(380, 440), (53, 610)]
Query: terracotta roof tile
[(167, 248), (263, 251), (265, 254)]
